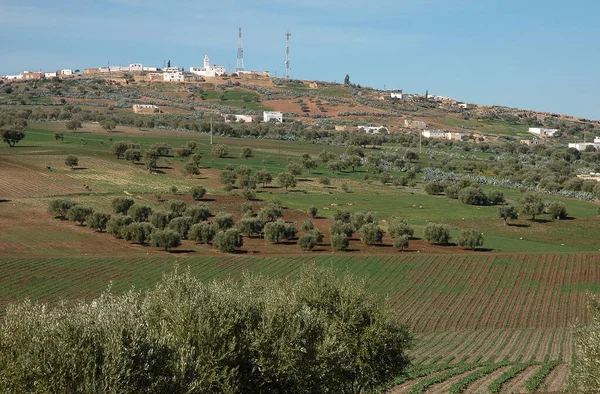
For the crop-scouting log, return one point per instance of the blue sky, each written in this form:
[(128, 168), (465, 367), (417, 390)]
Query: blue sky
[(530, 54)]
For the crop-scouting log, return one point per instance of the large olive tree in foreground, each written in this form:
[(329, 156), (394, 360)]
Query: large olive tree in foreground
[(317, 334)]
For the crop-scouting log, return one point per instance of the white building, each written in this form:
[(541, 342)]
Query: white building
[(272, 115), (373, 129), (240, 118), (12, 77), (208, 70), (399, 95), (582, 145), (542, 131), (466, 105), (50, 75), (151, 69), (442, 135), (136, 67), (173, 76), (66, 72)]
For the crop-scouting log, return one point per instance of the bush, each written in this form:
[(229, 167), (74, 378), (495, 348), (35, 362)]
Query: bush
[(159, 219), (370, 233), (307, 241), (437, 233), (140, 213), (248, 194), (181, 225), (324, 181), (176, 208), (398, 227), (247, 209), (220, 150), (98, 220), (472, 196), (71, 161), (202, 232), (470, 239), (178, 338), (58, 208), (198, 213), (345, 188), (339, 227), (191, 168), (339, 242), (137, 232), (451, 191), (434, 188), (224, 221), (228, 241), (307, 225), (313, 211), (116, 223), (79, 213), (401, 242), (557, 210), (166, 239), (121, 205)]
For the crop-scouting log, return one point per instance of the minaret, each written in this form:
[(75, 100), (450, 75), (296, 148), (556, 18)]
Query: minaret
[(206, 63)]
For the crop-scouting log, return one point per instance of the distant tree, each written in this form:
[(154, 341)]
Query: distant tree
[(437, 233), (220, 150), (263, 176), (71, 161), (116, 223), (73, 125), (274, 232), (160, 149), (169, 63), (557, 210), (79, 213), (59, 207), (531, 204), (286, 180), (340, 227), (137, 232), (250, 226), (165, 239), (294, 169), (121, 204), (176, 208), (246, 152), (192, 145), (370, 233), (150, 160), (58, 136), (133, 155), (411, 156), (434, 188), (160, 219), (347, 80), (359, 219), (198, 192), (398, 227), (198, 213), (108, 124), (139, 123), (119, 148), (202, 232), (181, 225), (313, 211), (270, 212), (228, 241), (191, 168), (401, 242), (98, 220), (472, 196), (224, 221), (507, 212), (470, 239), (307, 225), (339, 241), (307, 241), (495, 197), (12, 137), (342, 215), (140, 213)]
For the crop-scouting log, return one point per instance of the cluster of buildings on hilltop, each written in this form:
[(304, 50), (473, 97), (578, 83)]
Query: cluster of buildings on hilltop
[(34, 75)]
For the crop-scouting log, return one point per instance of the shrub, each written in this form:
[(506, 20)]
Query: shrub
[(220, 150), (398, 227), (339, 241), (121, 205), (228, 241), (181, 225), (345, 188), (294, 169), (246, 152), (137, 232), (324, 181), (451, 191), (159, 219), (246, 182), (165, 239), (434, 188), (318, 235), (472, 196), (202, 232), (290, 230), (198, 213), (116, 223), (224, 221), (248, 194), (191, 168), (313, 211), (437, 233), (79, 213), (307, 225), (370, 233), (401, 242), (133, 155), (557, 210), (247, 208), (470, 239), (98, 220), (59, 207), (71, 161), (307, 242), (140, 213)]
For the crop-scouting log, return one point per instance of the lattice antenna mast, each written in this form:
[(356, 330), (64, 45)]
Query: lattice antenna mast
[(240, 54), (287, 55)]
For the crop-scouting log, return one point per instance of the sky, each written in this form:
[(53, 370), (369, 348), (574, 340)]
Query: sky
[(530, 54)]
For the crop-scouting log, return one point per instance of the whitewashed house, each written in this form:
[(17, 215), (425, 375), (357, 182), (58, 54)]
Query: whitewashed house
[(543, 132), (272, 115), (173, 76), (373, 129)]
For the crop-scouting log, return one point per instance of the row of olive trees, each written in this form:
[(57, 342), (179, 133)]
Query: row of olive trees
[(319, 333)]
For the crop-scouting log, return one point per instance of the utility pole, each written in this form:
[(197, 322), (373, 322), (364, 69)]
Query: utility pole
[(211, 130), (287, 55), (420, 140)]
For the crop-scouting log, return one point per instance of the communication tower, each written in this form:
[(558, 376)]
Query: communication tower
[(240, 53), (287, 55)]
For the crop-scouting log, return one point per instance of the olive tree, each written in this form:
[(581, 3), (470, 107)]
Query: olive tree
[(140, 213), (220, 150), (165, 239), (370, 233), (398, 227), (58, 208), (121, 204), (137, 232), (198, 192), (97, 221), (557, 210), (401, 242), (160, 219), (116, 223), (79, 213), (198, 213), (531, 204), (339, 241), (224, 221), (313, 211), (307, 241), (181, 225), (437, 233), (263, 176), (71, 161), (470, 239), (507, 212), (286, 180), (250, 226), (176, 208), (228, 241), (202, 232)]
